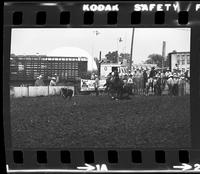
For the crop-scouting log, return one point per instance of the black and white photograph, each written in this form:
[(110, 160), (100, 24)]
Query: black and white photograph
[(100, 87)]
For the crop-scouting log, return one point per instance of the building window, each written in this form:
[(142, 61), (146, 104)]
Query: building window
[(183, 59), (188, 59), (178, 59)]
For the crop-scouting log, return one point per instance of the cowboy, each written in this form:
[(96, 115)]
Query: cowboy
[(116, 74), (151, 77), (152, 73), (52, 82), (39, 81)]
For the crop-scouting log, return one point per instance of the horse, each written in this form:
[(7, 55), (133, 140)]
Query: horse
[(158, 86), (116, 88), (155, 84), (149, 84)]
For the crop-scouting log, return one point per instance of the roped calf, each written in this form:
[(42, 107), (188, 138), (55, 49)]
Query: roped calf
[(66, 93)]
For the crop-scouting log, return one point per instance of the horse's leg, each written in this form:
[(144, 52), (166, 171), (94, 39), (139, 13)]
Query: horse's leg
[(154, 90)]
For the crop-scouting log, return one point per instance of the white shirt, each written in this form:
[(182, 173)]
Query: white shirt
[(170, 81), (52, 83)]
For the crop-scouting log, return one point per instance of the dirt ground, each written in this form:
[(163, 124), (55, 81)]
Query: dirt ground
[(91, 121)]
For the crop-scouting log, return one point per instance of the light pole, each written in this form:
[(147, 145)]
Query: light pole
[(96, 32), (118, 41)]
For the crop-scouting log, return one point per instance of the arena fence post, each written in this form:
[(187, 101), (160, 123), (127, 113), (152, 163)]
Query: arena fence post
[(28, 91)]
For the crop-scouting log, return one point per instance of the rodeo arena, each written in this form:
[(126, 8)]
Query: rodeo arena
[(55, 102), (42, 76)]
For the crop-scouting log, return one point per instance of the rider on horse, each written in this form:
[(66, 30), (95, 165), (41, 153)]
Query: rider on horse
[(151, 77)]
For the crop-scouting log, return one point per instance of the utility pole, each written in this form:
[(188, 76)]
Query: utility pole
[(99, 66), (130, 66)]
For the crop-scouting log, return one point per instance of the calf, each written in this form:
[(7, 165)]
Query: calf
[(66, 93)]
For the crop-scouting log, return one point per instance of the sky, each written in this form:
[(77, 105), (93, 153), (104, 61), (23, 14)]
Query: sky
[(146, 41)]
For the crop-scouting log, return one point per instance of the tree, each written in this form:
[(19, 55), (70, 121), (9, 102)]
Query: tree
[(124, 56), (112, 56), (155, 59)]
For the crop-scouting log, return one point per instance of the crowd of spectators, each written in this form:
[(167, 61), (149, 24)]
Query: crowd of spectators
[(175, 81)]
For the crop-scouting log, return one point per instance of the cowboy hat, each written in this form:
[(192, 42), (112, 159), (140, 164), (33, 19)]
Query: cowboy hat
[(39, 77)]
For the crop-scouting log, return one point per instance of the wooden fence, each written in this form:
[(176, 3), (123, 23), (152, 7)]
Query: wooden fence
[(34, 91)]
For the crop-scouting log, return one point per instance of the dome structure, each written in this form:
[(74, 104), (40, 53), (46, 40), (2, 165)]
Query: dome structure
[(73, 52)]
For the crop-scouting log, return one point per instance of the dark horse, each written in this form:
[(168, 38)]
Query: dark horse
[(116, 88), (157, 86)]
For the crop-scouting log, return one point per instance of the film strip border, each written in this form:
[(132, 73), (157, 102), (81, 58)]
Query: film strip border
[(73, 14), (114, 159)]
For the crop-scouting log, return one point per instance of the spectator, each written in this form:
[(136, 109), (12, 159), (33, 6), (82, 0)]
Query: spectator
[(170, 83), (125, 79), (130, 80), (187, 75), (175, 86), (181, 85), (145, 79), (92, 76), (176, 68), (137, 81), (140, 80), (52, 82), (39, 81), (116, 74)]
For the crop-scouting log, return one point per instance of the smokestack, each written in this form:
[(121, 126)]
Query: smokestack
[(164, 50), (163, 53)]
